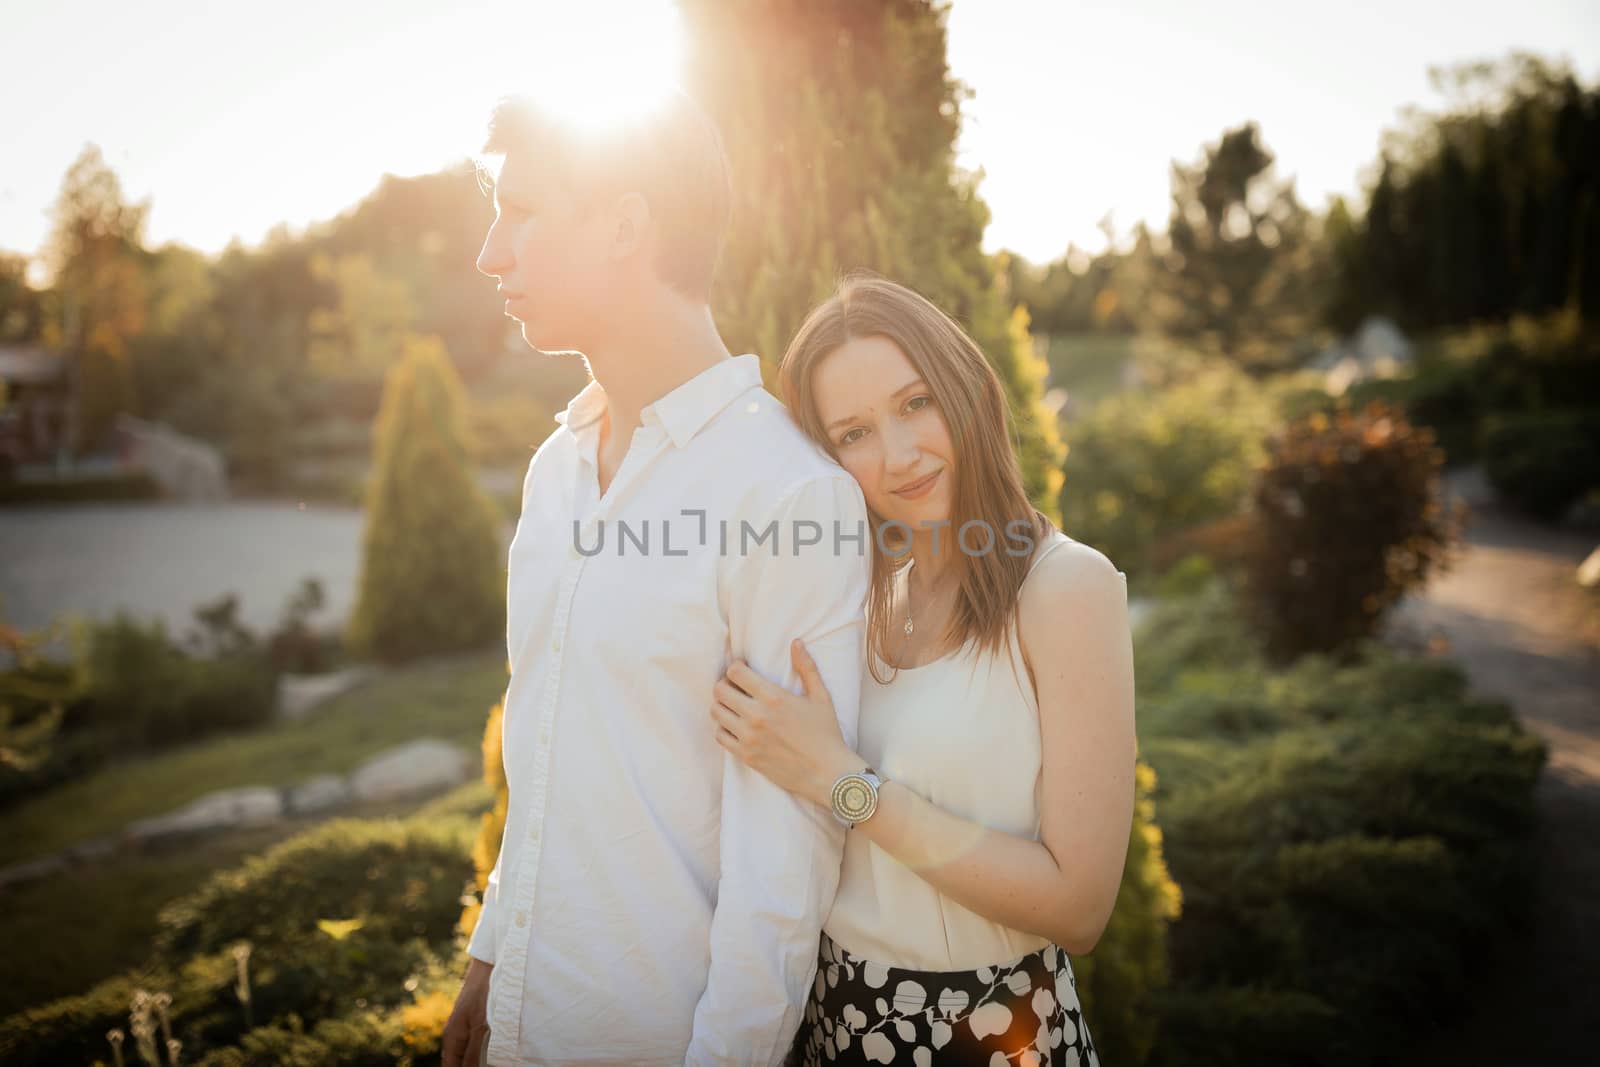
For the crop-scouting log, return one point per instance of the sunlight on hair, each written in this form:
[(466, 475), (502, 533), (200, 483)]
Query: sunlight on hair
[(600, 63)]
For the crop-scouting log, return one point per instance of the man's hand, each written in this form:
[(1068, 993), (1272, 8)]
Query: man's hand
[(468, 1028)]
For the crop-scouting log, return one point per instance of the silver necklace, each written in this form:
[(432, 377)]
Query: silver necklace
[(910, 628)]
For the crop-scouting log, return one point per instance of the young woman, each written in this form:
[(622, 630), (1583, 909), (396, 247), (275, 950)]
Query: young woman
[(991, 793)]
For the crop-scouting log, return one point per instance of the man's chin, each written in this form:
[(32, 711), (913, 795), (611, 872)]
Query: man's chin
[(545, 346), (546, 342)]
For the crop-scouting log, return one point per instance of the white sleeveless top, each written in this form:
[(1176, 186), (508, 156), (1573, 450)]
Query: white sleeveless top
[(962, 732)]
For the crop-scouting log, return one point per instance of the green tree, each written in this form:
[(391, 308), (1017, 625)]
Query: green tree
[(95, 251), (431, 576), (1484, 210), (22, 308), (179, 347), (1239, 275), (840, 119), (359, 336)]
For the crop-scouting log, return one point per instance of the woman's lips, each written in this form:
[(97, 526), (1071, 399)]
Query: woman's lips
[(920, 489)]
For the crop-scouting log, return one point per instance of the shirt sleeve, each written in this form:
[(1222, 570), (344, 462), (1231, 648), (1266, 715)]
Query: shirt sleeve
[(780, 854), (485, 939)]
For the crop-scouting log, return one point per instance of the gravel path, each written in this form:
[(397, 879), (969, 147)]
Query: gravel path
[(1525, 633)]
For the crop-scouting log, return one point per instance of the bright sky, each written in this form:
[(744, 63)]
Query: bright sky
[(233, 118)]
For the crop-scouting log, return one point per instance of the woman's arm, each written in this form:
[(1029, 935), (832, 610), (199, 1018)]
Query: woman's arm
[(1075, 629)]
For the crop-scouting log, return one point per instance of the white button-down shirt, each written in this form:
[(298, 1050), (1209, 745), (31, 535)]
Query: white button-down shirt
[(655, 901)]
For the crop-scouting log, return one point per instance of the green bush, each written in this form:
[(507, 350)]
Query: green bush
[(140, 689), (34, 693), (1349, 835), (136, 486), (1345, 518), (1529, 365), (73, 1029), (310, 976), (1145, 465), (1255, 1024), (128, 686), (368, 1039), (1544, 462), (400, 879), (340, 918), (1119, 981)]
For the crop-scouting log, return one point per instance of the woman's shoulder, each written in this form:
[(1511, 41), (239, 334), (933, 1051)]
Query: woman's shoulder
[(1064, 575)]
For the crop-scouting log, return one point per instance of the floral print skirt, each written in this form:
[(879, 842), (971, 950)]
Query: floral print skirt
[(1023, 1012)]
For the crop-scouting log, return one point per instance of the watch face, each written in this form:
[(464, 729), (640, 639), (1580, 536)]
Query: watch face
[(854, 798)]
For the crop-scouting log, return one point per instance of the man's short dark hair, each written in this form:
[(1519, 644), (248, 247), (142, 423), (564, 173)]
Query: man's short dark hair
[(672, 155)]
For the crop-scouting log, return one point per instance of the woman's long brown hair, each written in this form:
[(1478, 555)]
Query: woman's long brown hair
[(988, 477)]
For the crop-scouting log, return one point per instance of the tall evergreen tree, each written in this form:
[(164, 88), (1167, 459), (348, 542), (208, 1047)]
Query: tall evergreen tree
[(1484, 209), (840, 119), (431, 575)]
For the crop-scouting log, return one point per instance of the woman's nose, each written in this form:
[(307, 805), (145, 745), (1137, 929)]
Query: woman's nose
[(900, 451)]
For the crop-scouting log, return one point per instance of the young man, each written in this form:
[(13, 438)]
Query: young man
[(654, 901)]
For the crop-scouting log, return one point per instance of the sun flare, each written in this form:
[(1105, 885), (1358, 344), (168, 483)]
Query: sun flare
[(595, 64)]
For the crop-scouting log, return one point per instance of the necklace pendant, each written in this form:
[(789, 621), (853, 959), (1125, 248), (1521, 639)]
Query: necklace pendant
[(908, 627)]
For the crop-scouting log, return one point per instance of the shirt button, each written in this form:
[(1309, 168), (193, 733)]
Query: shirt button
[(555, 646), (544, 736), (522, 918)]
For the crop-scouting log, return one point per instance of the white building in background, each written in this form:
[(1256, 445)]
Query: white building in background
[(1377, 349), (36, 406)]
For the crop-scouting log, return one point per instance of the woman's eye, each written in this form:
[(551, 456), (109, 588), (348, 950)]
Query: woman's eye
[(850, 437), (923, 397)]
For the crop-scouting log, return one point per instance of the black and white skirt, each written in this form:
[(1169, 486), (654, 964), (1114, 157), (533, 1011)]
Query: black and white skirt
[(1023, 1012)]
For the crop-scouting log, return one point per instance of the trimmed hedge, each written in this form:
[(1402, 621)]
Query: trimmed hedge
[(97, 490), (341, 918), (1350, 838), (1545, 462)]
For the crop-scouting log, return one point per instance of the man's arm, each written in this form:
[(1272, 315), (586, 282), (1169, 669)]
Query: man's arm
[(780, 853)]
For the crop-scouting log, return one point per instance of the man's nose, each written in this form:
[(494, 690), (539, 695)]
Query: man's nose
[(492, 260)]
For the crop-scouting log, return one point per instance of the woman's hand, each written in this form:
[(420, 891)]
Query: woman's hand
[(794, 741)]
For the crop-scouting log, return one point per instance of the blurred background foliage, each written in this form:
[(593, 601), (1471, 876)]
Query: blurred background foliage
[(1330, 830)]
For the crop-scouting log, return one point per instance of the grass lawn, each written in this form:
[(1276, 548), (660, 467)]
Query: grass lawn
[(1087, 365), (98, 919), (449, 698)]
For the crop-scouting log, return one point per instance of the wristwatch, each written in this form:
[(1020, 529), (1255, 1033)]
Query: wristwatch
[(855, 796)]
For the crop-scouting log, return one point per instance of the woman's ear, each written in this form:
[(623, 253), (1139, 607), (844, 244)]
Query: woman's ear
[(632, 225)]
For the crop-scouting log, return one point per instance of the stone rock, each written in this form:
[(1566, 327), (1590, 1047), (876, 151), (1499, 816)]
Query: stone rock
[(425, 765), (32, 870), (250, 805), (301, 694), (1377, 349), (321, 793)]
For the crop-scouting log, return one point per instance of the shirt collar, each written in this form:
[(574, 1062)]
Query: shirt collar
[(583, 408), (684, 410)]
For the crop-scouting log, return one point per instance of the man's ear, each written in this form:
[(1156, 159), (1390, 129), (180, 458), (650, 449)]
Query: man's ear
[(632, 225)]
